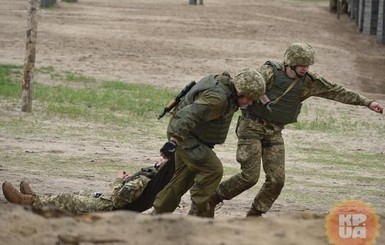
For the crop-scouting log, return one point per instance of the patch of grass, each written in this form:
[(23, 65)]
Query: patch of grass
[(51, 71), (8, 86), (108, 101), (230, 171), (77, 77)]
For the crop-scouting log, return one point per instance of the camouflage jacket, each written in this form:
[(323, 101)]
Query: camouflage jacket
[(316, 85), (125, 191)]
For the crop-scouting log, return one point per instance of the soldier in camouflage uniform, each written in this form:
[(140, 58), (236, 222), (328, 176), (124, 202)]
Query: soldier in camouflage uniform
[(202, 120), (288, 83), (126, 189)]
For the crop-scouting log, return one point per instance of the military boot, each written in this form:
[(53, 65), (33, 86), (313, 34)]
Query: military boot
[(194, 211), (253, 213), (25, 188), (214, 200), (14, 196)]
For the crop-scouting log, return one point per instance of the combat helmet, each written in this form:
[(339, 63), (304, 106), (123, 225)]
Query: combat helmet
[(299, 54), (250, 83)]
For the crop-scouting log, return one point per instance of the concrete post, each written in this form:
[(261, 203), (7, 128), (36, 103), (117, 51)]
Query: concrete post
[(360, 19), (381, 22), (370, 17), (354, 10)]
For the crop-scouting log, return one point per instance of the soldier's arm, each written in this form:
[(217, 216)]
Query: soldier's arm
[(316, 85), (126, 192), (208, 106)]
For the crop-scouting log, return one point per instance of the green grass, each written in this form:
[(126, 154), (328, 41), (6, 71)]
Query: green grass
[(112, 102)]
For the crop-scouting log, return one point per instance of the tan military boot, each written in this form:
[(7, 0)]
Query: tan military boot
[(25, 188), (14, 196), (214, 200)]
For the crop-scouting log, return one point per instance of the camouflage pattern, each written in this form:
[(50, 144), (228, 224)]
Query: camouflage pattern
[(250, 83), (125, 192), (86, 201), (316, 85), (249, 153), (252, 134), (299, 54)]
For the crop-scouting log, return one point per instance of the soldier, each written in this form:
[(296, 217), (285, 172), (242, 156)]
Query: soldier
[(288, 83), (201, 121), (130, 192)]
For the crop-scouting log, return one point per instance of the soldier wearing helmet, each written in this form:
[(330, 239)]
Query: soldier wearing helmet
[(200, 121), (259, 130)]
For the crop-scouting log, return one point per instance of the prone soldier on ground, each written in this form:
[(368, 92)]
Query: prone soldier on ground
[(129, 192)]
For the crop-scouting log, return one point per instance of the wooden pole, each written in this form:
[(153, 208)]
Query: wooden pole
[(29, 61)]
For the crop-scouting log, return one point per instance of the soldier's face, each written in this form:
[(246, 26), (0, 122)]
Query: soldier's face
[(244, 101), (301, 70)]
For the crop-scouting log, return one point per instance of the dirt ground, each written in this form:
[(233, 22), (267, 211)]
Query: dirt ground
[(168, 43)]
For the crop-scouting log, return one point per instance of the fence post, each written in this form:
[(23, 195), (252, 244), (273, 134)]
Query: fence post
[(29, 61)]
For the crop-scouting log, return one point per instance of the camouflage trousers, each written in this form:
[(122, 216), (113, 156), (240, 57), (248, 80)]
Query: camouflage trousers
[(257, 140), (75, 203), (199, 169), (123, 193)]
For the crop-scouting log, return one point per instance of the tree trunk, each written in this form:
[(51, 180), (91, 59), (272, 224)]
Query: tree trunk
[(29, 61)]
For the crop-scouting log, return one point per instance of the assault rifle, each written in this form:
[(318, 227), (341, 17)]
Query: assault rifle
[(177, 99)]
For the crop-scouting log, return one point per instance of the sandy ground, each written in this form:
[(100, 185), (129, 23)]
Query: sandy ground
[(169, 43)]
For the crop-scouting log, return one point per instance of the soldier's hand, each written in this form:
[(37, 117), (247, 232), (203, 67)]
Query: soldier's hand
[(377, 107), (168, 149), (122, 174)]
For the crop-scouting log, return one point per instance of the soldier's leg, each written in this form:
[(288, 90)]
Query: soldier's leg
[(74, 203), (249, 157), (167, 200), (208, 171), (273, 157)]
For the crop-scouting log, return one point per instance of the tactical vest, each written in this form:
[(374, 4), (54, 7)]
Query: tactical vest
[(286, 110), (215, 131)]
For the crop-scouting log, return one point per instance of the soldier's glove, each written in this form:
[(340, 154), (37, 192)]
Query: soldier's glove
[(168, 148)]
